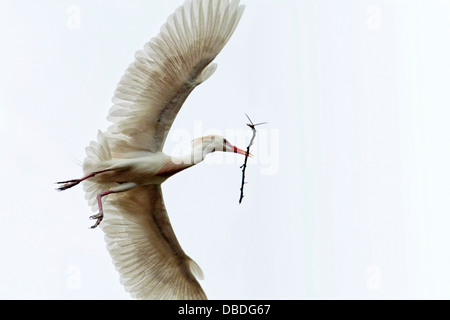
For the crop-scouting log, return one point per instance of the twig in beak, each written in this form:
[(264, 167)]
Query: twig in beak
[(244, 166)]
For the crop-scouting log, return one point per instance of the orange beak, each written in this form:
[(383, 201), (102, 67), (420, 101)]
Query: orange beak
[(243, 152), (237, 150)]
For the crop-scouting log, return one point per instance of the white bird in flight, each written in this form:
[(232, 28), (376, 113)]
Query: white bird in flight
[(125, 167)]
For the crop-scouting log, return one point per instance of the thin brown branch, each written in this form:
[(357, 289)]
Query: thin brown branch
[(244, 166)]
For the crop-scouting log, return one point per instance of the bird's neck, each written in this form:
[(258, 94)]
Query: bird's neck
[(196, 156)]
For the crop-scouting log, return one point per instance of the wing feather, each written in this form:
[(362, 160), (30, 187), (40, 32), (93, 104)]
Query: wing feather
[(144, 248), (138, 233), (166, 71)]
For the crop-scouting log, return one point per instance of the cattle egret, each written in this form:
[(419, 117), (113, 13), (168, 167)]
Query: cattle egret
[(125, 167)]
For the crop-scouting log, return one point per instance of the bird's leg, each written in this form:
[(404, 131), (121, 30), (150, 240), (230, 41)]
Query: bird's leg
[(122, 188), (99, 216), (72, 183)]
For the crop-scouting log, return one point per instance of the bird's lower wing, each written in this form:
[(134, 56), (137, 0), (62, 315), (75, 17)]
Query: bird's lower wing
[(144, 248), (155, 86)]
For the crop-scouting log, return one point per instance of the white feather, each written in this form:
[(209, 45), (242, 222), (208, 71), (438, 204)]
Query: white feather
[(138, 233), (166, 71)]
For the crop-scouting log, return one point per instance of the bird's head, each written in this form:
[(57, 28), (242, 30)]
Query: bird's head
[(213, 143)]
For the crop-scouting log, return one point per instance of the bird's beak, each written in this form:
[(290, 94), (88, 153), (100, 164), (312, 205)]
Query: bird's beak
[(243, 152), (239, 151)]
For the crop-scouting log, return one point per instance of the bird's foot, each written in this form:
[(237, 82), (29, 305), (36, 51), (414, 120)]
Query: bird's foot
[(99, 218), (72, 183), (68, 184)]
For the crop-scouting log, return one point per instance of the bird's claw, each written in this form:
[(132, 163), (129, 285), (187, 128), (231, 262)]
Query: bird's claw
[(99, 218)]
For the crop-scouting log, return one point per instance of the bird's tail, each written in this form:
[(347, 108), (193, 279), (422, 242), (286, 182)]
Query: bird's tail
[(96, 153)]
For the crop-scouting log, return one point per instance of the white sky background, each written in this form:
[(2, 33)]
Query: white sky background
[(348, 191)]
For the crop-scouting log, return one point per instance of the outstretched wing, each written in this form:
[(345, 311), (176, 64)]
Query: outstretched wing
[(169, 68), (144, 248)]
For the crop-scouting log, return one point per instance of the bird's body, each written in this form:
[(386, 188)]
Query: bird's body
[(125, 167), (154, 168)]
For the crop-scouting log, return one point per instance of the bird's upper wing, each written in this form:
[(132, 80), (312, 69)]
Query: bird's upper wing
[(155, 86), (144, 248)]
